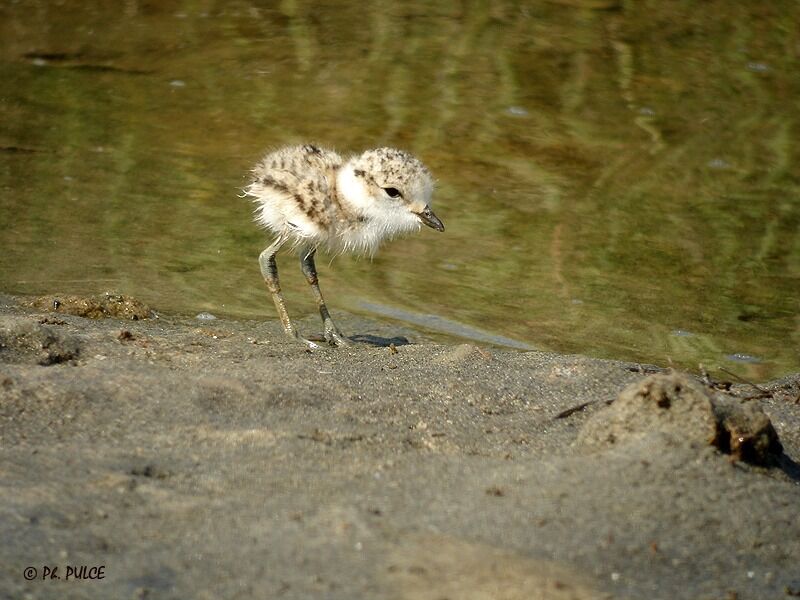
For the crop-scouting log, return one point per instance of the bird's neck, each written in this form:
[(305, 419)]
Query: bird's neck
[(352, 191)]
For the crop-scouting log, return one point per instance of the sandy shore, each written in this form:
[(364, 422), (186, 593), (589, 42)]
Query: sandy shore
[(216, 459)]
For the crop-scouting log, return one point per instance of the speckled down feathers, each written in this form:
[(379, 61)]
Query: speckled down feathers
[(305, 175), (312, 197)]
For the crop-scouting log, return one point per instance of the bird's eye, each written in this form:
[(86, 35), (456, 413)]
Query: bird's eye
[(392, 192)]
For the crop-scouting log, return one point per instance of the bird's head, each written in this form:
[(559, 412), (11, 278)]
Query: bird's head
[(391, 186)]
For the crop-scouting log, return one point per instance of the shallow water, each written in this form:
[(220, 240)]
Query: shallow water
[(618, 179)]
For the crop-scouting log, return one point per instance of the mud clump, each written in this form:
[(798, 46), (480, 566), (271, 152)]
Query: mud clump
[(24, 341), (95, 307), (683, 410), (746, 433)]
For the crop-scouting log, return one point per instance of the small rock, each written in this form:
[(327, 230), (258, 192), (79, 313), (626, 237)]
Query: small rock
[(745, 432)]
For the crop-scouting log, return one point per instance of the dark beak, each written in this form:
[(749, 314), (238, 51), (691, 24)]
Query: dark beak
[(430, 219)]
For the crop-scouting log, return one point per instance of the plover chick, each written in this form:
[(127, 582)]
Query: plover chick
[(313, 198)]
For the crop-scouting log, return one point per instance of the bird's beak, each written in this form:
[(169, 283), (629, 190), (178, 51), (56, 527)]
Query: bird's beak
[(430, 219)]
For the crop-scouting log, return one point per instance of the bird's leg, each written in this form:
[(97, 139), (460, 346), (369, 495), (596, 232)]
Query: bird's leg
[(269, 269), (332, 334)]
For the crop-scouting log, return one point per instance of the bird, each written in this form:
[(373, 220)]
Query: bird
[(310, 198)]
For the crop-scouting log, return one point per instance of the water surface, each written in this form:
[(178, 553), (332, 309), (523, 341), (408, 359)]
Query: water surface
[(617, 178)]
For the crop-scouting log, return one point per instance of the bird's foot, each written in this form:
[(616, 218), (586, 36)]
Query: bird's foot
[(310, 345), (335, 337)]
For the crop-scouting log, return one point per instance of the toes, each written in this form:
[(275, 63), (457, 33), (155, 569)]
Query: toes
[(335, 338), (307, 343)]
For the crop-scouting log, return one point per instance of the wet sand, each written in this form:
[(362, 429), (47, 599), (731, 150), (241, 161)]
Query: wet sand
[(217, 459)]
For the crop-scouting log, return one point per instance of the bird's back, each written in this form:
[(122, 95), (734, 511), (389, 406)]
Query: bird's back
[(295, 192)]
